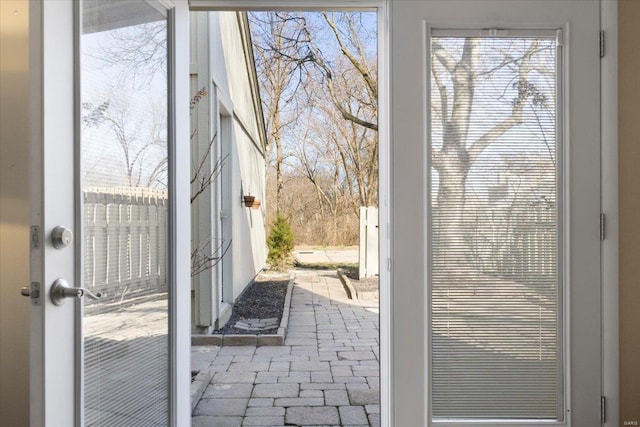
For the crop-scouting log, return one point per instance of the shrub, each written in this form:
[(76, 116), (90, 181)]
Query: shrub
[(280, 244)]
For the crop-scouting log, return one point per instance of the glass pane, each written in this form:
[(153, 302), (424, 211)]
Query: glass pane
[(124, 186), (495, 282)]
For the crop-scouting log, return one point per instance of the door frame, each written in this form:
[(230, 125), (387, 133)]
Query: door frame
[(225, 204), (54, 373), (609, 207), (381, 7), (609, 125)]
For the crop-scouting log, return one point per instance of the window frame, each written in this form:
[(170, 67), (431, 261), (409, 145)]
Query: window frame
[(562, 182)]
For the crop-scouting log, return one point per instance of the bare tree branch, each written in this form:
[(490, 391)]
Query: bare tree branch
[(525, 91), (443, 56), (362, 67)]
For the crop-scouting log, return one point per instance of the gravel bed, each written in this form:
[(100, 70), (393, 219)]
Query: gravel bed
[(263, 299)]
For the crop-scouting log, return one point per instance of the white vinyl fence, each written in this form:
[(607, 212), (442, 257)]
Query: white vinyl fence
[(511, 242), (368, 249), (125, 242)]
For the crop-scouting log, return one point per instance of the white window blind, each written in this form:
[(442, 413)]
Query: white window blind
[(495, 246), (124, 157)]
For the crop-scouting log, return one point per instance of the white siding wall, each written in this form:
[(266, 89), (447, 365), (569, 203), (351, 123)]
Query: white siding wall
[(249, 250), (226, 72)]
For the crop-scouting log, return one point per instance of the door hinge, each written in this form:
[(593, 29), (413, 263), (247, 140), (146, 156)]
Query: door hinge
[(602, 226), (389, 264), (603, 409), (601, 43)]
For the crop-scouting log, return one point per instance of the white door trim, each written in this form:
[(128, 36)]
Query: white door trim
[(587, 371), (52, 398), (180, 240)]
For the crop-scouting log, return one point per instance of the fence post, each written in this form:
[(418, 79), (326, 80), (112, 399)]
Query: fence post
[(368, 249)]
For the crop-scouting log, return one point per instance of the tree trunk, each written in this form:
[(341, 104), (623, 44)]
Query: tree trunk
[(449, 253), (279, 157), (452, 163)]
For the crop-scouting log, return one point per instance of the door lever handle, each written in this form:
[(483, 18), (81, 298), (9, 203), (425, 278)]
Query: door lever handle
[(60, 290)]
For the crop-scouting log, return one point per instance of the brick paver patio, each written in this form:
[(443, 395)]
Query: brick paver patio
[(326, 374)]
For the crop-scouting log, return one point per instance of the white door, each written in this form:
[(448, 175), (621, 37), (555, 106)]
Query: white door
[(226, 199), (496, 253), (110, 213)]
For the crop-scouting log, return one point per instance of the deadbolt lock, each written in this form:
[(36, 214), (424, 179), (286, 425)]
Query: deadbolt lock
[(61, 237)]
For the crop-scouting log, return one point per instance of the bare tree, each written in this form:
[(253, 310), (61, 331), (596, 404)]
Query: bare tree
[(357, 148), (345, 150), (346, 92), (141, 144), (276, 37), (318, 72), (356, 85), (458, 154), (139, 52)]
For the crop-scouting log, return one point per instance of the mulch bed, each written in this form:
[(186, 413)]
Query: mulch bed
[(263, 299)]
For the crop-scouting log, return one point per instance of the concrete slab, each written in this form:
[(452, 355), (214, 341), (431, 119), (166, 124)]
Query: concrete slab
[(327, 256)]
